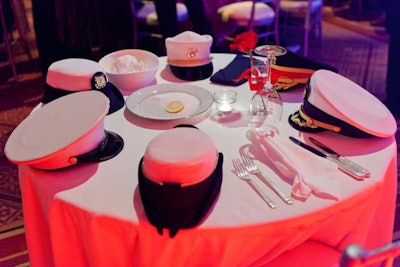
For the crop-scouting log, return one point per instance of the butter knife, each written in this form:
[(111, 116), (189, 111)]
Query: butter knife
[(332, 153), (342, 166)]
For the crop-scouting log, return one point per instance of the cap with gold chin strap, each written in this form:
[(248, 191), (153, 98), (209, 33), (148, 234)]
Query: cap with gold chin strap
[(310, 118), (312, 123)]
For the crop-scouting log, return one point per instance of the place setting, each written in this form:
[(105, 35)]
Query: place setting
[(291, 158), (169, 101), (179, 152)]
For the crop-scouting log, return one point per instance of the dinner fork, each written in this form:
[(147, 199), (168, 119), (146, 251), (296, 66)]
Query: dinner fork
[(244, 175), (252, 168)]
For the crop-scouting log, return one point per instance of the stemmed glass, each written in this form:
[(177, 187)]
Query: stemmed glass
[(267, 102)]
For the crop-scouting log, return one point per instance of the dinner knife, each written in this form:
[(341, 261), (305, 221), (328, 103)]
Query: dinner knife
[(334, 154), (342, 166)]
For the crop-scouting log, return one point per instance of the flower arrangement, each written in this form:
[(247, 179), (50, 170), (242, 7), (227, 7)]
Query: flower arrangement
[(245, 42)]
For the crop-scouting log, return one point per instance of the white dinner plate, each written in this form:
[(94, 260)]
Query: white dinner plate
[(150, 102)]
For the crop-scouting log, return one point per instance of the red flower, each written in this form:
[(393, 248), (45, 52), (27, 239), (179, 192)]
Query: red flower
[(245, 42)]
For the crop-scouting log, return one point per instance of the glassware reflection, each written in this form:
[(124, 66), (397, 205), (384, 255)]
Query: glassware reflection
[(266, 104)]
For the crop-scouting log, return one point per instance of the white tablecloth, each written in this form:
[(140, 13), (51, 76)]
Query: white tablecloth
[(92, 215)]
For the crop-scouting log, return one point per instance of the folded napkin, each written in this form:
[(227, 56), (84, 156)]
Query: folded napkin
[(290, 69), (233, 70), (309, 174), (293, 60)]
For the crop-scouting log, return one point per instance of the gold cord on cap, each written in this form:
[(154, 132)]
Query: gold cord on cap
[(188, 62), (312, 123)]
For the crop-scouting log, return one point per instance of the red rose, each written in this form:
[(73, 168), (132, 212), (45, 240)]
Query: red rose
[(245, 42)]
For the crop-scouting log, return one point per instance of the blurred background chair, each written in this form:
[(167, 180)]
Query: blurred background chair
[(13, 16), (260, 16), (357, 256), (306, 16), (147, 21), (91, 28)]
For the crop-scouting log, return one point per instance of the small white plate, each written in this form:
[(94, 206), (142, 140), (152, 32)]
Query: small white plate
[(150, 102)]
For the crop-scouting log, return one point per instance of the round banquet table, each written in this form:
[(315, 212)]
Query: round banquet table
[(92, 214)]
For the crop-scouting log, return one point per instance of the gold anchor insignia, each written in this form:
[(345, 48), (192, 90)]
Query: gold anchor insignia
[(192, 53), (100, 80), (309, 122), (295, 117)]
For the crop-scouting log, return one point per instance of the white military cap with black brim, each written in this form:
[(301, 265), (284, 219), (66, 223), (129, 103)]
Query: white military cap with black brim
[(188, 55), (72, 75), (65, 132), (180, 177), (335, 103)]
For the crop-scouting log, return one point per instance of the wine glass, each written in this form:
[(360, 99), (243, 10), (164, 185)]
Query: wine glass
[(266, 102)]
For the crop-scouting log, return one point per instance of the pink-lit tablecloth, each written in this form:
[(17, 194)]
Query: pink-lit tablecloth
[(92, 215)]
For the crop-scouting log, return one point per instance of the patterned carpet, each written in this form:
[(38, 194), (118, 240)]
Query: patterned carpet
[(360, 57), (17, 101)]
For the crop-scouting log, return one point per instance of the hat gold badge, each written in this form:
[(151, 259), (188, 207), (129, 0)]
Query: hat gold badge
[(192, 53), (99, 81)]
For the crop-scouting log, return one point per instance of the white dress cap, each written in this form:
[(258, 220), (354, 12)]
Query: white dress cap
[(334, 102), (188, 49), (72, 74), (60, 130)]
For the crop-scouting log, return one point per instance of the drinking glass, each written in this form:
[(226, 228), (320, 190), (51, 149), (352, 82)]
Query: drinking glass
[(267, 102)]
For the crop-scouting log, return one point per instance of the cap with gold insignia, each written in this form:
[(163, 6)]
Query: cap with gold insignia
[(188, 55), (77, 74), (335, 103), (65, 132)]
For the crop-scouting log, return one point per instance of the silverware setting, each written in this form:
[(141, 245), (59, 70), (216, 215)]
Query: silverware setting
[(243, 174), (343, 164), (252, 168), (351, 164)]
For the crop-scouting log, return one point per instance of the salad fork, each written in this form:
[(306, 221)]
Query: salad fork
[(252, 168), (244, 175)]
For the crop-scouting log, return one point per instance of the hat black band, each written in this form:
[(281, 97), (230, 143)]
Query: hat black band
[(108, 148), (193, 73), (51, 93), (109, 90), (312, 119), (171, 206)]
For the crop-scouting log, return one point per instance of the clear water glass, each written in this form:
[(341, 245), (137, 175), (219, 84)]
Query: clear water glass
[(266, 104)]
